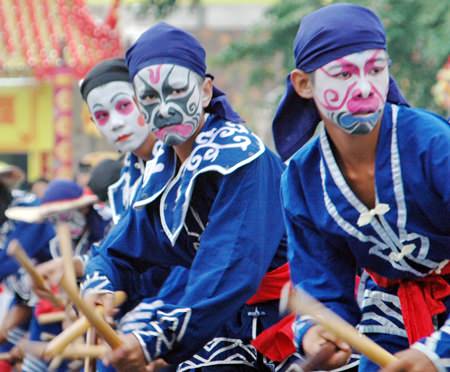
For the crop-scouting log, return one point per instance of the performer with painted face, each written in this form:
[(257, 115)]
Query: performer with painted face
[(370, 192), (208, 202), (110, 98)]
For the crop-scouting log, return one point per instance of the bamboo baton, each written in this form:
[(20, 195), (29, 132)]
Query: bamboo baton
[(16, 250), (302, 303)]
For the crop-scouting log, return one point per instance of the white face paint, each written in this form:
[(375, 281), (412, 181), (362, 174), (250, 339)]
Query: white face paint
[(74, 219), (117, 116), (171, 100), (351, 91)]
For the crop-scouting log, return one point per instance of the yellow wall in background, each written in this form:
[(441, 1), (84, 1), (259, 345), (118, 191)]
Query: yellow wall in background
[(26, 119), (26, 122)]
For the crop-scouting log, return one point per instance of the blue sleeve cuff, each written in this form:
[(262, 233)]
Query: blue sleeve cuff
[(96, 283), (301, 326)]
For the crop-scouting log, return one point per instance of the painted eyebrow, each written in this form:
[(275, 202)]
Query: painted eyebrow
[(341, 65), (378, 59), (147, 88), (97, 104), (118, 94)]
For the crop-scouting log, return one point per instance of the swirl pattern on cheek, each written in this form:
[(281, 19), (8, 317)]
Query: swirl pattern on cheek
[(331, 96)]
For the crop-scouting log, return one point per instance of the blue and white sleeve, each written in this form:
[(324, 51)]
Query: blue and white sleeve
[(115, 266), (318, 265), (437, 347), (171, 292)]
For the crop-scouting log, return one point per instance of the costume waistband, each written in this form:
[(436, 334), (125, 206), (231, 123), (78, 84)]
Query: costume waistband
[(420, 300), (271, 285), (277, 341)]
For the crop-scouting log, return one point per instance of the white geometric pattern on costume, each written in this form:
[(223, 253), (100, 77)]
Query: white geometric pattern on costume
[(223, 148), (207, 140), (391, 247), (33, 364), (204, 158), (380, 308), (96, 283), (19, 283), (221, 350), (437, 347), (138, 318), (160, 335), (15, 335), (385, 315)]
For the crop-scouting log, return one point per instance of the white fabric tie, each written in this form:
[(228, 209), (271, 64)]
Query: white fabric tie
[(406, 249), (366, 217)]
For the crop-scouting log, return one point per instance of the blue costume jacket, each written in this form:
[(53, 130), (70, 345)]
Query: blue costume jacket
[(218, 214), (33, 237)]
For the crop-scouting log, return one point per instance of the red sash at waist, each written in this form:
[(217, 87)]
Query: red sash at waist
[(277, 341), (45, 306), (271, 285), (420, 300)]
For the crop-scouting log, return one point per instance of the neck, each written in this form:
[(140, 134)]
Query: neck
[(353, 151), (183, 150), (144, 151)]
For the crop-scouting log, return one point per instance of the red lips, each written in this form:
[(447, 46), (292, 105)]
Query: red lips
[(123, 137), (363, 106)]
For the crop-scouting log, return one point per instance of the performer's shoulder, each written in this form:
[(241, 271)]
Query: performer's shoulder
[(308, 154), (422, 121)]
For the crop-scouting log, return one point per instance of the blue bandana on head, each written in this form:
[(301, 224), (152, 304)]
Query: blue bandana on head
[(165, 44), (325, 35)]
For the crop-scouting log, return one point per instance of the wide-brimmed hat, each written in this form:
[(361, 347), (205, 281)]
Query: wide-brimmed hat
[(11, 175), (60, 196)]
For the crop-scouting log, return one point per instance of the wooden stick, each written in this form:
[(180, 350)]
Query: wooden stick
[(74, 351), (54, 317), (84, 351), (16, 250), (302, 303), (102, 327), (46, 336), (55, 363), (89, 363), (77, 329), (65, 244)]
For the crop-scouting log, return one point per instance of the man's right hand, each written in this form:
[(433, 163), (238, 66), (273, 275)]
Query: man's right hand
[(104, 299), (315, 337)]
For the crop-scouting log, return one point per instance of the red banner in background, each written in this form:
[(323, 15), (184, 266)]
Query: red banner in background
[(63, 119)]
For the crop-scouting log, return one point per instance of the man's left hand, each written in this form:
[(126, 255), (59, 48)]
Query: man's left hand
[(411, 360), (128, 357)]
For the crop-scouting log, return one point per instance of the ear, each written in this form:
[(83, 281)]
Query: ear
[(207, 91), (302, 83)]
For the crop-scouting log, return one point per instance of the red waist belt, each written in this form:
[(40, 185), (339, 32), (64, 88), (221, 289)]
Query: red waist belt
[(45, 306), (420, 300), (277, 341)]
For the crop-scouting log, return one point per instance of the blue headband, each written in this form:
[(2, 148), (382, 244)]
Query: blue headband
[(325, 35), (165, 44)]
